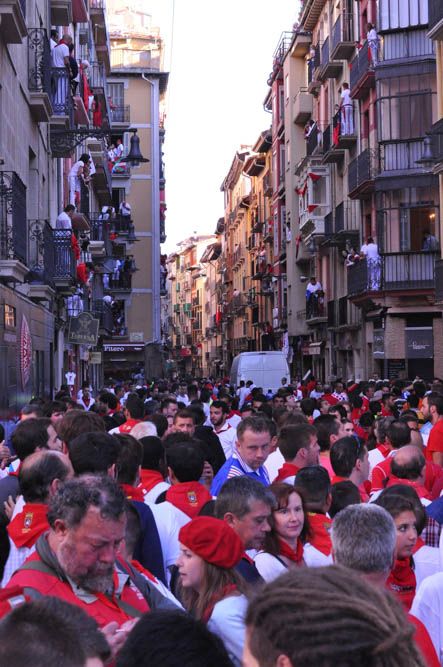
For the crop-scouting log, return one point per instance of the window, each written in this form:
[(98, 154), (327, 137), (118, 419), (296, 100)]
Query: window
[(10, 316), (395, 14), (117, 93), (404, 106)]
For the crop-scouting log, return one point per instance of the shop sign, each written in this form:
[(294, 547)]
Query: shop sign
[(124, 347), (83, 330), (136, 337), (419, 343), (95, 357), (25, 352), (378, 346), (396, 369)]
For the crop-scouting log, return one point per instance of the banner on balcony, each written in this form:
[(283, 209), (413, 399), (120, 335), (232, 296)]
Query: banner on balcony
[(314, 177), (419, 343), (312, 207), (83, 330)]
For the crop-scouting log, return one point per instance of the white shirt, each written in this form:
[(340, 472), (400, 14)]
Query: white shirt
[(183, 399), (59, 53), (316, 394), (372, 35), (313, 288), (156, 491), (315, 558), (273, 463), (428, 607), (125, 209), (75, 169), (227, 621), (427, 562), (375, 457), (63, 221), (228, 437), (242, 393), (370, 250), (168, 528), (346, 97), (234, 421), (80, 401), (269, 566)]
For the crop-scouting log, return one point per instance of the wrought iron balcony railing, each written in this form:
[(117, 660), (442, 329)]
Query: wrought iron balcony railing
[(121, 114), (101, 227), (392, 272), (39, 61), (104, 312), (13, 220), (41, 253), (62, 104), (64, 260)]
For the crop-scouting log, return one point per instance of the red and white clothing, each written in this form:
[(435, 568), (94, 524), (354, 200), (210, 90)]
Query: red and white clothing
[(402, 582), (435, 440), (228, 438), (377, 455), (86, 404), (287, 473), (273, 463), (426, 561), (233, 419), (270, 566), (428, 607), (152, 485), (23, 532), (125, 428), (318, 547)]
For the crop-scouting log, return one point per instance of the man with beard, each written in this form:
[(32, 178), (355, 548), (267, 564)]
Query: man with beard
[(78, 558)]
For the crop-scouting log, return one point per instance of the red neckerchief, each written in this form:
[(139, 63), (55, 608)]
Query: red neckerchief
[(225, 592), (26, 527), (319, 527), (402, 581), (149, 479), (132, 492), (61, 41), (337, 479), (289, 553), (418, 545), (189, 497), (14, 473), (128, 425), (384, 450), (247, 558), (287, 470), (139, 567)]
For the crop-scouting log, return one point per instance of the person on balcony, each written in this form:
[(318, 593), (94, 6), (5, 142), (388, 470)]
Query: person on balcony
[(53, 41), (372, 38), (369, 251), (73, 65), (347, 120), (125, 209), (430, 242), (64, 220), (60, 61), (97, 117), (313, 290), (77, 174)]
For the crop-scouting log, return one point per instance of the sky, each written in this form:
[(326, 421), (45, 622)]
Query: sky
[(219, 59)]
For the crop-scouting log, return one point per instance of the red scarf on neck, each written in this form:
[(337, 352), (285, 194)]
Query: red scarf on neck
[(189, 497), (225, 592), (402, 582), (287, 470), (289, 553), (384, 450), (319, 527), (132, 492), (128, 425), (26, 527), (149, 479)]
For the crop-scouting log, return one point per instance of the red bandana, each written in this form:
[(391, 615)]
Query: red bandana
[(149, 479), (26, 527), (132, 492), (402, 581), (287, 470), (221, 595), (189, 497), (289, 553), (319, 527), (128, 425), (384, 450), (337, 479)]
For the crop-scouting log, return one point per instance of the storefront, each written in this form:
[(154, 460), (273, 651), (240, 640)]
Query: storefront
[(122, 360)]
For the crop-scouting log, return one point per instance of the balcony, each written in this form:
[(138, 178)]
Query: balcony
[(330, 69), (331, 153), (99, 86), (314, 81), (101, 244), (342, 42), (314, 141), (301, 44), (123, 58), (120, 281), (362, 77), (12, 21), (394, 272), (61, 12), (13, 228), (120, 115), (62, 107), (435, 21), (98, 17), (65, 276), (302, 107), (439, 281), (436, 135), (101, 180), (316, 313), (41, 261), (39, 75), (104, 312), (361, 174)]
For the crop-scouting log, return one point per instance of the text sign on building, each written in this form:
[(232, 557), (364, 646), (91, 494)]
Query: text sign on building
[(83, 330), (419, 343), (95, 357)]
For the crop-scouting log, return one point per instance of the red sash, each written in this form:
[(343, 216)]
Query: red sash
[(132, 492), (149, 479), (189, 497), (319, 527), (289, 553), (26, 527), (287, 470)]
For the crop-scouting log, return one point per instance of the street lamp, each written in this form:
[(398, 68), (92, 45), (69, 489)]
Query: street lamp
[(135, 156), (427, 159)]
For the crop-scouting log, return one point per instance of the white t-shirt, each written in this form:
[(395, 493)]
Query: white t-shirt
[(372, 35), (228, 438), (269, 566), (156, 491), (313, 288), (168, 528), (59, 53), (428, 607), (346, 97), (63, 221), (227, 621), (315, 558), (75, 169), (273, 463), (234, 421), (370, 250), (427, 563)]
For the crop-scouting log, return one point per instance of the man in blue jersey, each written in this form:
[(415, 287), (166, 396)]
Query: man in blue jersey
[(253, 446)]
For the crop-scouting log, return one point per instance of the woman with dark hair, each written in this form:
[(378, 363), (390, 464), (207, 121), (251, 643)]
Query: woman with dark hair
[(283, 545), (402, 580), (211, 589)]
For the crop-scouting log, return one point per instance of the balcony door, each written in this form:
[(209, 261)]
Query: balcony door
[(414, 222)]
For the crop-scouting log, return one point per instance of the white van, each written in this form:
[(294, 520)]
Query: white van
[(265, 369)]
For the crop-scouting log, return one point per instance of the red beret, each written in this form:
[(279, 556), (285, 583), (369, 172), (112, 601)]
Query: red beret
[(213, 540)]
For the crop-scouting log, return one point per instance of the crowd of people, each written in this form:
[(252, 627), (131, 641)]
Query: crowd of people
[(195, 523)]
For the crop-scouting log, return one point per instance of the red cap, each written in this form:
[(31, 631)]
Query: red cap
[(213, 540)]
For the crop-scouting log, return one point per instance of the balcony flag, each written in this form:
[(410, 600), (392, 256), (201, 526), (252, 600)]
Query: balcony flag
[(312, 207), (314, 177)]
